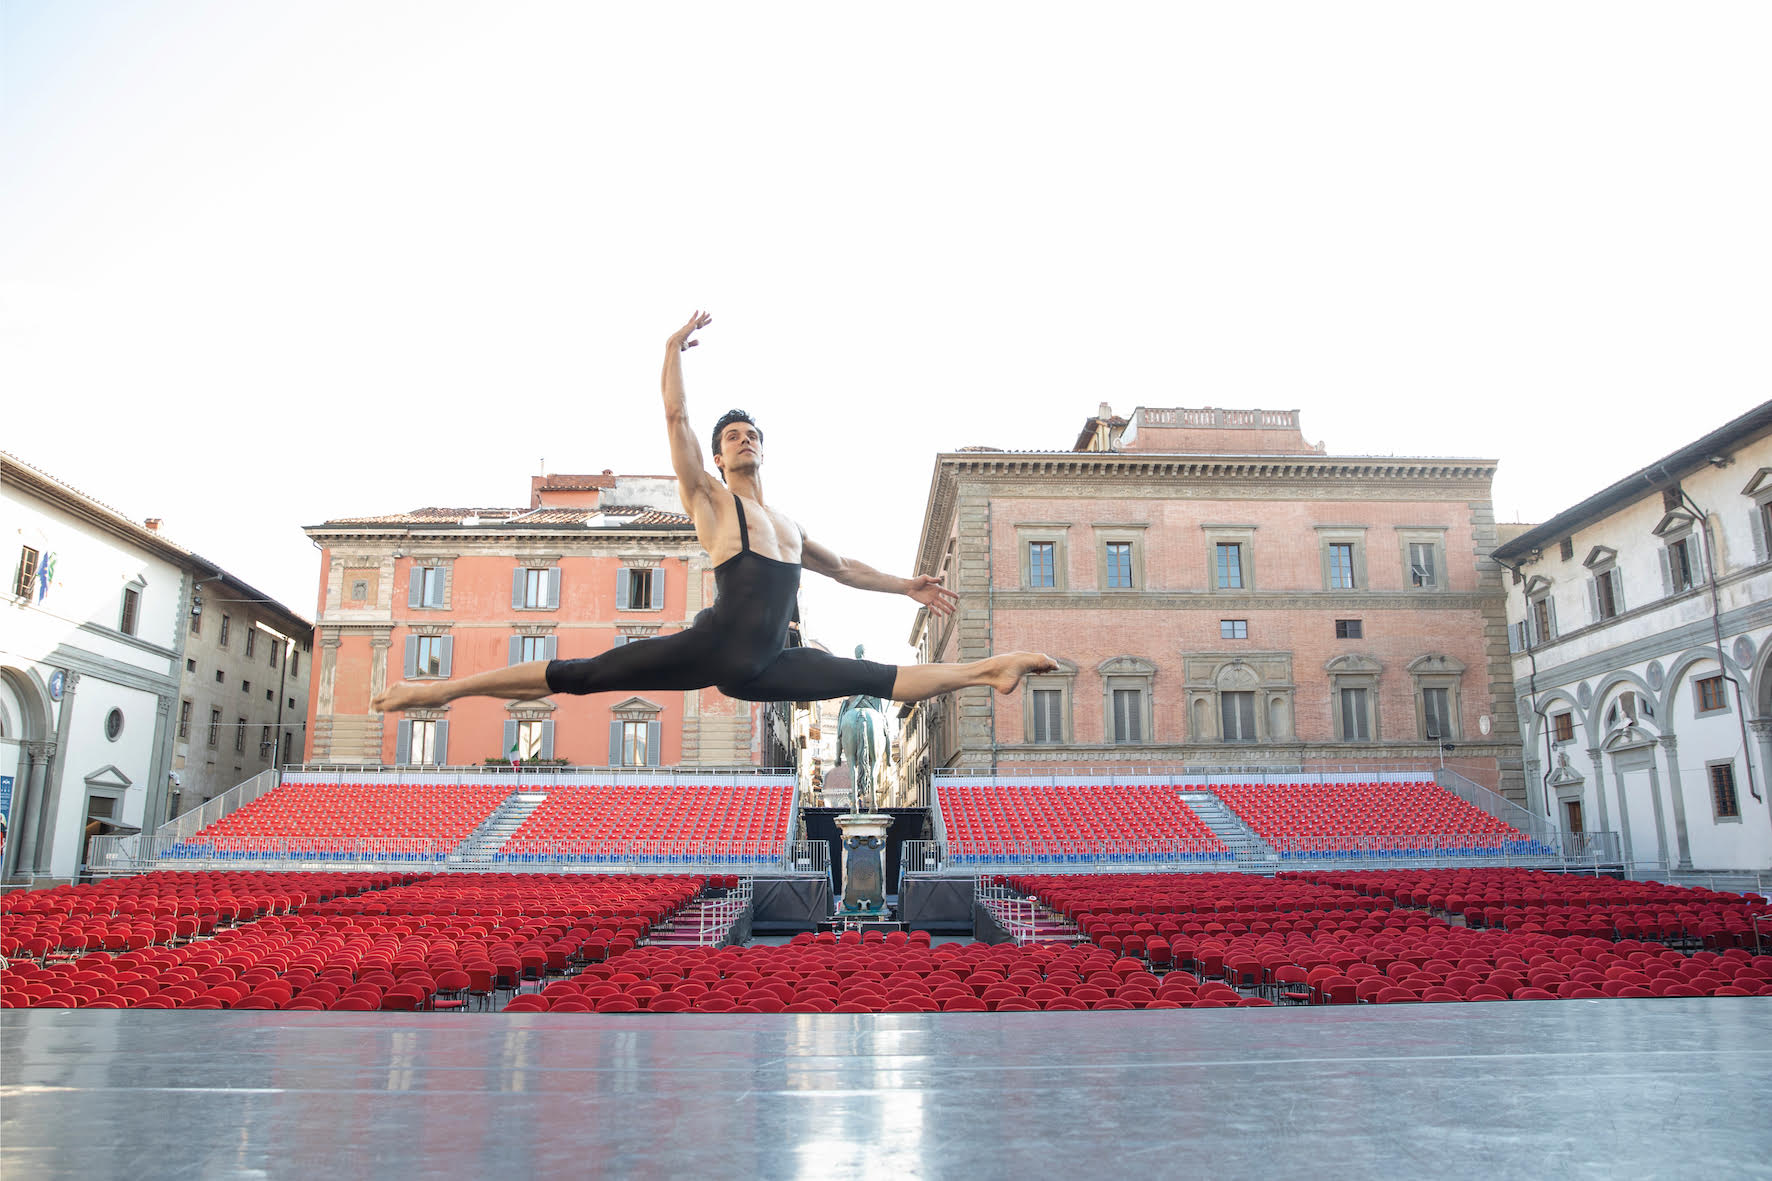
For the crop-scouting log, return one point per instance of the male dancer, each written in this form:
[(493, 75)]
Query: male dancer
[(739, 644)]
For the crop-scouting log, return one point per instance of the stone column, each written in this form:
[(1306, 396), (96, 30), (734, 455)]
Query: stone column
[(44, 854), (328, 673), (378, 662), (1593, 753), (21, 846), (1682, 844), (1762, 731)]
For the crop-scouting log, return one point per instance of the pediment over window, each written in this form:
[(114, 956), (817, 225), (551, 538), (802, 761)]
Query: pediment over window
[(1760, 484), (108, 776), (1537, 585), (1565, 776), (530, 710), (1676, 521), (1352, 663), (1065, 668), (1126, 666), (635, 708), (1600, 555), (1237, 675), (1436, 665)]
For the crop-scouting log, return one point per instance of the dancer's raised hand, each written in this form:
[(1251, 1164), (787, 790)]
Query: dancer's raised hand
[(680, 338), (927, 590)]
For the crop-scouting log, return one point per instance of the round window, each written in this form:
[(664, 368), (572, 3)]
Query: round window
[(114, 724)]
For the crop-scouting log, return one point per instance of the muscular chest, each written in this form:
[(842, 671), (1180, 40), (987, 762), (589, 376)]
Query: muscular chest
[(772, 534)]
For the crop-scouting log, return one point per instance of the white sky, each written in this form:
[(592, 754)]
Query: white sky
[(262, 265)]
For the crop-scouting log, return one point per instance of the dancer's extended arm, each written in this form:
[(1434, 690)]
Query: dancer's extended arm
[(693, 481), (924, 588)]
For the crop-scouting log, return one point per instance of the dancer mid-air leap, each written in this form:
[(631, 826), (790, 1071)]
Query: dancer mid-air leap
[(738, 645)]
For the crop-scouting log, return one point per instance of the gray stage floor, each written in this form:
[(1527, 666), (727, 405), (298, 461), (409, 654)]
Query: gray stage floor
[(1615, 1089)]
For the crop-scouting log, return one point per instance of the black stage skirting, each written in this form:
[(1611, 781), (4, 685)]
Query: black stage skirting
[(781, 905), (931, 902), (907, 825)]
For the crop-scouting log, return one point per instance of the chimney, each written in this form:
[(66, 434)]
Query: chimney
[(153, 524)]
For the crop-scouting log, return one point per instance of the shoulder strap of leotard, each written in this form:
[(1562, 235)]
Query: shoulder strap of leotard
[(744, 533)]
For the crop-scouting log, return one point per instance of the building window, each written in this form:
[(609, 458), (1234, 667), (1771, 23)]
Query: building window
[(1040, 551), (191, 665), (269, 696), (1128, 715), (1119, 565), (1722, 791), (1566, 548), (1356, 722), (1236, 716), (428, 588), (214, 728), (1681, 566), (1710, 694), (196, 620), (1543, 629), (1606, 594), (1229, 559), (132, 601), (251, 641), (422, 746), (1233, 629), (1563, 727), (28, 559), (427, 655), (634, 739), (1341, 566), (529, 741), (114, 725), (525, 649), (536, 588), (295, 664), (239, 735), (273, 650), (266, 748), (1424, 569), (220, 677), (1349, 629), (1436, 713), (639, 588), (222, 639), (184, 720), (1048, 715)]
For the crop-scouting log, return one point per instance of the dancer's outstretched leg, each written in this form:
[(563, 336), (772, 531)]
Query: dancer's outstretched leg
[(520, 682), (916, 682)]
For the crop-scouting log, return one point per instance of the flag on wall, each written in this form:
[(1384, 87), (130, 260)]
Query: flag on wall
[(45, 572)]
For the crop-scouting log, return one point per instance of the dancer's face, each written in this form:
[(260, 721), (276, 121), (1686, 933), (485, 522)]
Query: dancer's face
[(741, 448)]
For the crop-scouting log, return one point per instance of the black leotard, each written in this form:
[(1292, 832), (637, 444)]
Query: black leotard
[(738, 645)]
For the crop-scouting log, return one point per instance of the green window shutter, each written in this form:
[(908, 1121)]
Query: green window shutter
[(411, 660), (547, 740), (615, 744), (442, 744), (516, 652), (510, 750), (653, 732), (415, 587), (658, 577), (403, 742), (621, 589), (448, 653), (553, 588)]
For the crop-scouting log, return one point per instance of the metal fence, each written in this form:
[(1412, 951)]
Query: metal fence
[(1353, 852), (127, 855)]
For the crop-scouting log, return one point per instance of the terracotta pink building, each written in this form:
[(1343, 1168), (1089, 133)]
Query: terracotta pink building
[(591, 562), (1221, 593)]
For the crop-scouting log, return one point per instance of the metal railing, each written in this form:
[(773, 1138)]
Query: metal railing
[(189, 824), (1539, 828), (127, 855), (545, 775), (714, 919), (808, 857), (1370, 851)]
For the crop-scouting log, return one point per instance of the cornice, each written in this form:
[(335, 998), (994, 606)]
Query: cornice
[(1122, 600)]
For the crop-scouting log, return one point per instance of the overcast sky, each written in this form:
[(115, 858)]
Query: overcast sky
[(266, 264)]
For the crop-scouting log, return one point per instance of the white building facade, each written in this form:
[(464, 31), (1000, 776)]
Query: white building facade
[(1641, 627), (91, 646)]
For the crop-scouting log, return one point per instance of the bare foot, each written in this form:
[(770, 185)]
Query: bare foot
[(395, 698), (1003, 673)]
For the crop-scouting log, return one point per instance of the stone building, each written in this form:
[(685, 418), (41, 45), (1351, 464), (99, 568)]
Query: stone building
[(593, 561), (1219, 593), (243, 691), (1641, 620), (104, 674)]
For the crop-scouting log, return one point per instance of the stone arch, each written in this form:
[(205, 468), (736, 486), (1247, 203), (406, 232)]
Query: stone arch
[(1595, 716), (1682, 665), (33, 698), (1762, 682), (1541, 708)]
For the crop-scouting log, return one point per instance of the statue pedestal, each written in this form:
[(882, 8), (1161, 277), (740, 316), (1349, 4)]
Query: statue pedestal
[(864, 864)]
